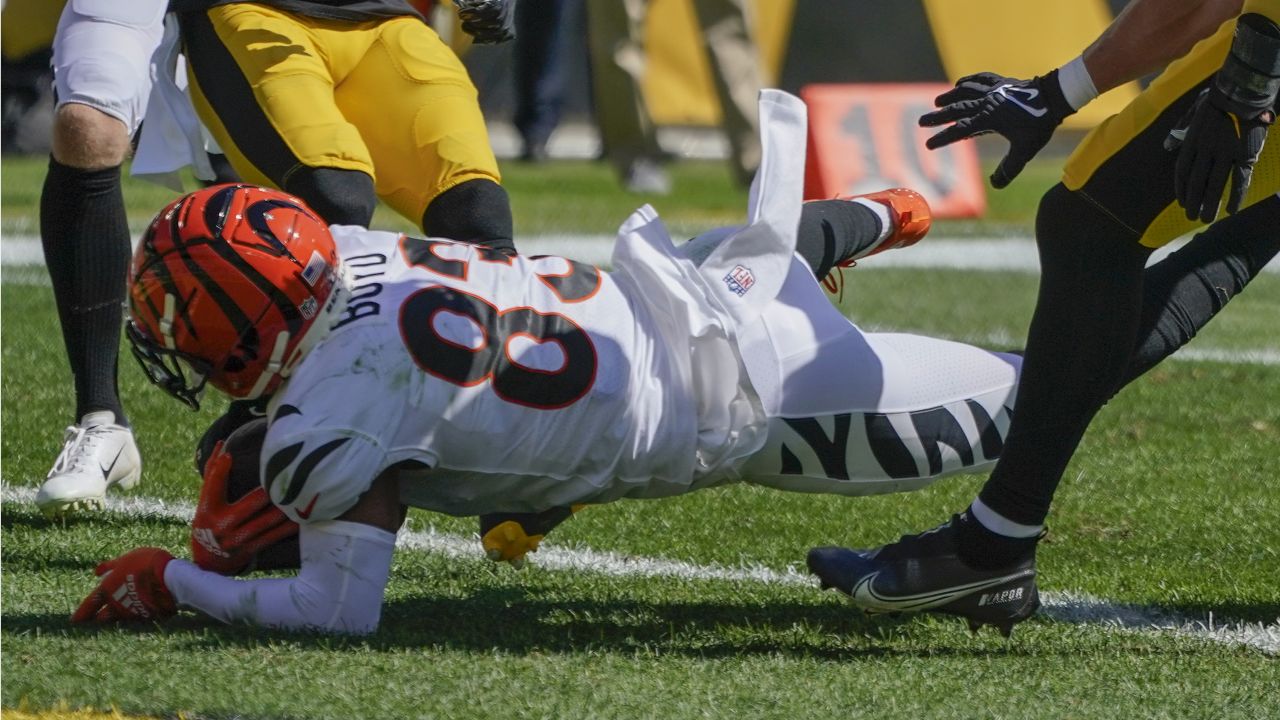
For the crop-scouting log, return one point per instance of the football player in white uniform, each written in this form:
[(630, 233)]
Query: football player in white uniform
[(405, 371), (455, 378)]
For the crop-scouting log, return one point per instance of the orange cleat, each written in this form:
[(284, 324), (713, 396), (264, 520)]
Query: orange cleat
[(909, 212)]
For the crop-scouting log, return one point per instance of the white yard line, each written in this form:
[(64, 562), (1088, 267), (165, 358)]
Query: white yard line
[(1067, 607)]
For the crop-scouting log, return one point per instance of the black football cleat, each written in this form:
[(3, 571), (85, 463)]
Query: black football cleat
[(924, 573)]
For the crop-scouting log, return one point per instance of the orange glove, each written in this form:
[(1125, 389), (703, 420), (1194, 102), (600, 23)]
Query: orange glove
[(226, 537), (132, 589)]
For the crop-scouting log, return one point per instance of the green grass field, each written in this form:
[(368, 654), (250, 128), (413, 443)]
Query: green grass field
[(1165, 525)]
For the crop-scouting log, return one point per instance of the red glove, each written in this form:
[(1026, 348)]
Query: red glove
[(226, 537), (132, 589)]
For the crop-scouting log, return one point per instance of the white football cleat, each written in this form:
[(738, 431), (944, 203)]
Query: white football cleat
[(96, 454)]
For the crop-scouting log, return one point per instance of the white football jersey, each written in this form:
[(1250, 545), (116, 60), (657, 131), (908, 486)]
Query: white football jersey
[(523, 382)]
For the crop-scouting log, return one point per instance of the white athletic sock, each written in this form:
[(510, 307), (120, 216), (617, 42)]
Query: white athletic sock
[(999, 524)]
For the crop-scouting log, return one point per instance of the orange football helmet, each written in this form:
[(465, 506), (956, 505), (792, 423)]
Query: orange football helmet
[(231, 285)]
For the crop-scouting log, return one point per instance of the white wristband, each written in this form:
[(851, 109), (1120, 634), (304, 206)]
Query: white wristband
[(1077, 86)]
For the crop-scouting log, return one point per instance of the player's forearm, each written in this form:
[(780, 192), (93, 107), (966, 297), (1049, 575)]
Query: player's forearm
[(339, 588), (1148, 34)]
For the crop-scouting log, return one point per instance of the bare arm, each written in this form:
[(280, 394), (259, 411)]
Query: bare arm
[(1145, 37), (1148, 34)]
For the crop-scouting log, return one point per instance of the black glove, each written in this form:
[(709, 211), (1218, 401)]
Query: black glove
[(1215, 144), (488, 22), (1222, 135), (1024, 112)]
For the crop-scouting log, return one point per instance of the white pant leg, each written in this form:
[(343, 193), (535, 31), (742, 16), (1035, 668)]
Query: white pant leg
[(859, 413), (102, 55)]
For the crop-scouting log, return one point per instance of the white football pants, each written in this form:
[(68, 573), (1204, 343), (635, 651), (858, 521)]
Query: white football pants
[(858, 413), (102, 55)]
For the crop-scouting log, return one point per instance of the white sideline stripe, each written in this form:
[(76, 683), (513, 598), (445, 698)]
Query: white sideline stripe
[(1010, 254), (1069, 607)]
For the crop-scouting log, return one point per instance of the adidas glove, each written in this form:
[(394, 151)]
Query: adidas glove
[(1222, 135), (488, 22), (1024, 112), (132, 589), (236, 527)]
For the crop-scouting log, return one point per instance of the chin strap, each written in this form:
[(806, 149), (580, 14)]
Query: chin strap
[(166, 322), (278, 365), (166, 334), (274, 366)]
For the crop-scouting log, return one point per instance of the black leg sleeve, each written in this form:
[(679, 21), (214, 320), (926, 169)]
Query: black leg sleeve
[(340, 197), (832, 230), (475, 211), (86, 242), (1081, 336), (1186, 290)]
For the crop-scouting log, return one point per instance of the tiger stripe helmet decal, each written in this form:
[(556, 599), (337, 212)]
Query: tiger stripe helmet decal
[(230, 286)]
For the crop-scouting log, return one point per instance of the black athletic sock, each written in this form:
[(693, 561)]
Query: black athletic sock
[(833, 230), (85, 235), (983, 549)]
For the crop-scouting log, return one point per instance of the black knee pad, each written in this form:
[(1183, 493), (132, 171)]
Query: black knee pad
[(476, 211), (341, 197)]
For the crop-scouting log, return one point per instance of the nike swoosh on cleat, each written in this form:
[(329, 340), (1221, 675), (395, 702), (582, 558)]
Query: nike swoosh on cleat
[(865, 595), (106, 471)]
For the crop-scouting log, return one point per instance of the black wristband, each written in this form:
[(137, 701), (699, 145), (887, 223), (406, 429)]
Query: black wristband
[(1249, 80)]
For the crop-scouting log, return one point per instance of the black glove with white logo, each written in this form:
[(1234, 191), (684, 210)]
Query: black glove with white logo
[(1024, 112), (488, 22), (1222, 135)]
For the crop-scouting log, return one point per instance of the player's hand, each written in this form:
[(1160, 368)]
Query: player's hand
[(1024, 112), (1214, 144), (226, 537), (488, 22), (132, 589)]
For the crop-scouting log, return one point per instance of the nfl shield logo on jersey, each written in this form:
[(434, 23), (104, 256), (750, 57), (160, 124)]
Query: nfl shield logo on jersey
[(740, 279)]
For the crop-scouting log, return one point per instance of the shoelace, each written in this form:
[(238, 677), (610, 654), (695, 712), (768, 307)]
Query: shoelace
[(909, 543), (834, 281), (78, 445)]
